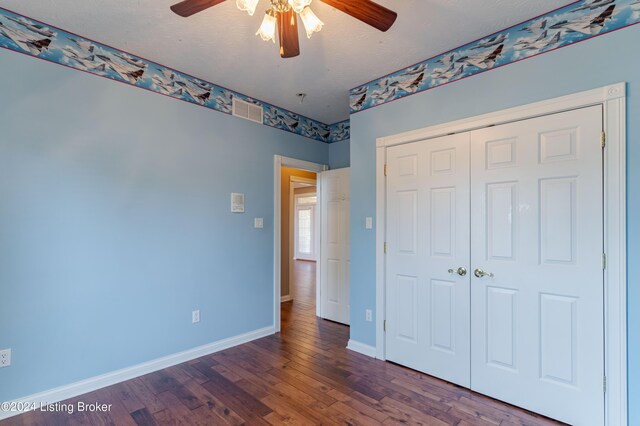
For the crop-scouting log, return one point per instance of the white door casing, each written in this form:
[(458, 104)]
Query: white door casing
[(536, 225), (334, 241), (428, 235)]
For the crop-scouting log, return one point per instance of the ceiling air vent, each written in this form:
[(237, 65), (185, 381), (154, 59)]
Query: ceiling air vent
[(247, 110)]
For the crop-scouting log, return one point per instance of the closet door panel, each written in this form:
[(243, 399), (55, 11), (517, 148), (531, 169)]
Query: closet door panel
[(427, 236), (536, 226)]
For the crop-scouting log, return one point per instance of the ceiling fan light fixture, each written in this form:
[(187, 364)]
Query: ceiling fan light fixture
[(283, 14), (299, 5), (311, 22), (267, 30), (248, 6)]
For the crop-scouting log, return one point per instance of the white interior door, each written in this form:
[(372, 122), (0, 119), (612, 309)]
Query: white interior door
[(427, 236), (334, 251), (537, 226)]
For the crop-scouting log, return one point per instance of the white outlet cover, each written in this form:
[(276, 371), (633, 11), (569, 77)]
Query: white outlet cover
[(258, 222), (368, 315), (195, 316), (5, 357), (368, 222)]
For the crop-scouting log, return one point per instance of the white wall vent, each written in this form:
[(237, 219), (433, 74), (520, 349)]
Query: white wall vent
[(247, 110)]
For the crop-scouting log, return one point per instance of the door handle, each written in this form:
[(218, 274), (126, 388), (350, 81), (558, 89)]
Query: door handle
[(480, 273), (462, 271)]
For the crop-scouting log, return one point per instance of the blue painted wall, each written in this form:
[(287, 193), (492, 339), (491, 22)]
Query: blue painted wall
[(597, 62), (90, 56), (339, 154), (115, 224)]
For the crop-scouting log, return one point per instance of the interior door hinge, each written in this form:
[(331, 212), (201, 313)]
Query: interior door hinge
[(603, 139), (384, 325), (385, 246), (604, 261), (604, 384), (385, 169)]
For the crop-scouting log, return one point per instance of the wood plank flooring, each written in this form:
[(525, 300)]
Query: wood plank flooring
[(302, 376)]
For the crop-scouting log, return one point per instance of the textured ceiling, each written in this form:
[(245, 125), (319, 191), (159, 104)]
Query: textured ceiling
[(219, 45)]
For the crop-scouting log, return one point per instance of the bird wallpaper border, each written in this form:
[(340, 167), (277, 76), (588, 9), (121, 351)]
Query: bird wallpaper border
[(573, 23), (576, 22), (38, 39)]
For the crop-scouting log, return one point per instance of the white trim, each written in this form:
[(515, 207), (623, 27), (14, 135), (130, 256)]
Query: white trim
[(361, 348), (613, 100), (577, 100), (98, 382), (616, 248), (279, 162), (318, 246), (381, 232), (286, 298)]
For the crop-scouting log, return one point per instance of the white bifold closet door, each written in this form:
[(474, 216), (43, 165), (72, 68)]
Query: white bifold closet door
[(334, 243), (519, 206)]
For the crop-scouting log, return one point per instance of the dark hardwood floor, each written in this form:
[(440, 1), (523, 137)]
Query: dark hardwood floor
[(303, 375)]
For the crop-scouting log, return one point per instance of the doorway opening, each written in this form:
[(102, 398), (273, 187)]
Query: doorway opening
[(297, 230), (289, 175), (310, 227)]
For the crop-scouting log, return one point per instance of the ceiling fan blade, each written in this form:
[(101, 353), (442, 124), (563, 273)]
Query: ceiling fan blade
[(288, 34), (367, 11), (189, 7)]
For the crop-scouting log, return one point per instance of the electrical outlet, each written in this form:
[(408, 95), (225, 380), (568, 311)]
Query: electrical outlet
[(195, 316), (368, 315), (368, 223), (5, 357)]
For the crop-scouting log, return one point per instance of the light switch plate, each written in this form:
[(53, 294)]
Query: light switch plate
[(258, 222), (368, 223)]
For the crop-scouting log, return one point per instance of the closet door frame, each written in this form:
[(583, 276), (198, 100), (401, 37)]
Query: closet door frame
[(613, 100)]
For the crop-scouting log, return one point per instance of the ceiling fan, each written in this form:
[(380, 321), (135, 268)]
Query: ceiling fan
[(283, 15)]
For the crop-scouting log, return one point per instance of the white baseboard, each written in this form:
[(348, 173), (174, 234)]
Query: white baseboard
[(361, 348), (94, 383), (286, 298)]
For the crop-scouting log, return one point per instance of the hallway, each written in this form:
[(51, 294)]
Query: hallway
[(303, 306)]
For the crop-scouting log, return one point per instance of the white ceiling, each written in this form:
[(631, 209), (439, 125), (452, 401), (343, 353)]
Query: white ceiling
[(219, 45)]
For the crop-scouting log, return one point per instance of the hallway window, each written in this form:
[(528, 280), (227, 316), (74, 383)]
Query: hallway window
[(305, 226)]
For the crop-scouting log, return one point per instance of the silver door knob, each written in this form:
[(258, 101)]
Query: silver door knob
[(460, 271), (480, 273)]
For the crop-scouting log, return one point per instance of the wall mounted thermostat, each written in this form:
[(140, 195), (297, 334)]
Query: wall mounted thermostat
[(237, 202)]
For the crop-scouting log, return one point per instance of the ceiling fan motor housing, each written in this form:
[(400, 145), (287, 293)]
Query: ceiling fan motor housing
[(281, 5)]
